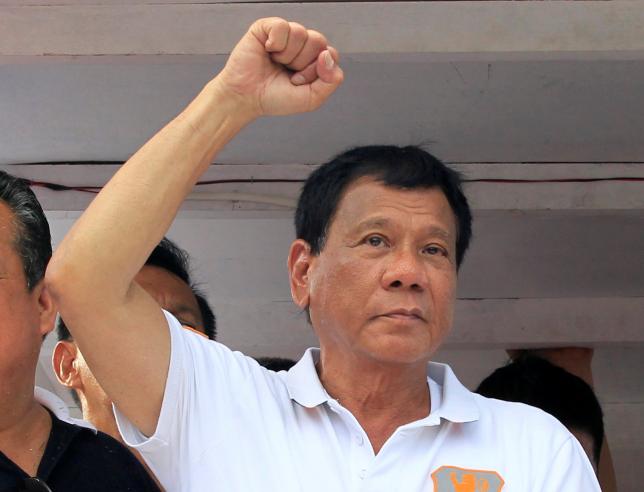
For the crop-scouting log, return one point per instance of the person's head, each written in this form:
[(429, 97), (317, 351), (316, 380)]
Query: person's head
[(26, 309), (166, 277), (276, 363), (568, 398), (381, 232)]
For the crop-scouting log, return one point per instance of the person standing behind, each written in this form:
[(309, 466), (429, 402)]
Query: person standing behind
[(42, 448), (166, 277)]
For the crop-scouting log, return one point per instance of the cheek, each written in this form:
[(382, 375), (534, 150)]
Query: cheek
[(20, 339), (444, 295), (340, 288), (343, 280)]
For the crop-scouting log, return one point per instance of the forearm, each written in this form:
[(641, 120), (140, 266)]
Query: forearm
[(111, 241), (119, 328)]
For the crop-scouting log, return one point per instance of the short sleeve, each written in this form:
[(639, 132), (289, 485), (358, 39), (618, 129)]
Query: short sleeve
[(570, 470), (203, 377)]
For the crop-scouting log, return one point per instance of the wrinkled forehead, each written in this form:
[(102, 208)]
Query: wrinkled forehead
[(368, 199)]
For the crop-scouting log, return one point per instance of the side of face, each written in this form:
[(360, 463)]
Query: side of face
[(25, 316), (587, 443), (72, 371), (172, 294), (383, 287)]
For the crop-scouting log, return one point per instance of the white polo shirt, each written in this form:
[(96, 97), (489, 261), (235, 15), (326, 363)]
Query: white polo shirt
[(228, 424)]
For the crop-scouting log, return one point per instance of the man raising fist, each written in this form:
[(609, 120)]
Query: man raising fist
[(277, 68), (381, 232)]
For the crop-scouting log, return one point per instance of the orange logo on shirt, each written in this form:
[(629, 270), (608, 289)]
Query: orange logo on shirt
[(454, 479)]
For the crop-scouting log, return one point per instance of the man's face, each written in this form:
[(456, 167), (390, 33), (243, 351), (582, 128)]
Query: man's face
[(22, 323), (172, 294), (383, 287)]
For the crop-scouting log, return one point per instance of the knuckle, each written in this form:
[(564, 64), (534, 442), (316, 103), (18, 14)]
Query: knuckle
[(297, 28), (317, 39)]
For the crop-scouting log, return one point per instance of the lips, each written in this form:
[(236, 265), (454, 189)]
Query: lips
[(404, 314)]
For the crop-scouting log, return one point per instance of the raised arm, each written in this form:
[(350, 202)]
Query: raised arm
[(277, 68)]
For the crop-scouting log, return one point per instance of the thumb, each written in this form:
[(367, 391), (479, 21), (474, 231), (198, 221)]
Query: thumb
[(330, 76)]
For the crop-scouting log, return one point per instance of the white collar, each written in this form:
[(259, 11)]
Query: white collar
[(450, 399), (58, 407)]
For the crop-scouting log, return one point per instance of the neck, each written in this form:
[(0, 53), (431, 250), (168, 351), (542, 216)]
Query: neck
[(24, 429), (100, 416), (381, 396)]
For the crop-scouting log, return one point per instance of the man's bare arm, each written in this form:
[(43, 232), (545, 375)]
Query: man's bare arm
[(277, 68)]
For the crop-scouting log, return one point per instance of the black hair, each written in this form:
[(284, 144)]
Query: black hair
[(276, 363), (401, 167), (535, 381), (170, 257), (32, 239), (207, 315)]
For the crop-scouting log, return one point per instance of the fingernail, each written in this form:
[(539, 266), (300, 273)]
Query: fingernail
[(298, 79), (328, 60)]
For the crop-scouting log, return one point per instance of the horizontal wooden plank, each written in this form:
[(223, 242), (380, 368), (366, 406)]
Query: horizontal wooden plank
[(516, 323), (545, 193), (541, 28)]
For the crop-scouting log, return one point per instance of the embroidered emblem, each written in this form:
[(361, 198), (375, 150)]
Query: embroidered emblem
[(453, 479)]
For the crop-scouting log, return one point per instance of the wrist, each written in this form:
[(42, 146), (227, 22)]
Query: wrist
[(212, 119), (240, 108)]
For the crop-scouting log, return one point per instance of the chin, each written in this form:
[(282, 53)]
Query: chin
[(401, 351), (397, 343)]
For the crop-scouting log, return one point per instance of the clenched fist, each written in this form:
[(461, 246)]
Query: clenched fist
[(281, 67)]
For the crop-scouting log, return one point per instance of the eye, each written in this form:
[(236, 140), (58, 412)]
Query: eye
[(375, 241), (434, 249)]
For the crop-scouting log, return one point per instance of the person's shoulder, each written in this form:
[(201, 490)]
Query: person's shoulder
[(100, 445), (81, 453), (519, 417)]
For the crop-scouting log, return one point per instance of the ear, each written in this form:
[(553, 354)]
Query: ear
[(65, 366), (46, 308), (299, 264)]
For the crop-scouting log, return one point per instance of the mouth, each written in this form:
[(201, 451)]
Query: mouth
[(404, 315)]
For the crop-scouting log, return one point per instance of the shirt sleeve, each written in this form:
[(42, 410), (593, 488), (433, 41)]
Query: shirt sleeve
[(569, 470), (203, 377)]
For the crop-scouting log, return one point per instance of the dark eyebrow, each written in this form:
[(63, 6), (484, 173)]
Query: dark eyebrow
[(372, 223), (439, 232), (383, 222)]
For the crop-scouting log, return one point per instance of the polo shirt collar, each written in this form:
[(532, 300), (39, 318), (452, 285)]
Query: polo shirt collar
[(303, 383), (457, 402), (58, 407), (451, 401)]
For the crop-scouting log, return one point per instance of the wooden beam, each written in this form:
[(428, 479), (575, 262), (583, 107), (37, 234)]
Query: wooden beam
[(520, 323), (543, 194), (539, 29)]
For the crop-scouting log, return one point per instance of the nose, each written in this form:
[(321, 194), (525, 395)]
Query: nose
[(406, 270)]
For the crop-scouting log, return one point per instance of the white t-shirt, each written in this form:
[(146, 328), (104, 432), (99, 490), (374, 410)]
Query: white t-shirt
[(228, 424)]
